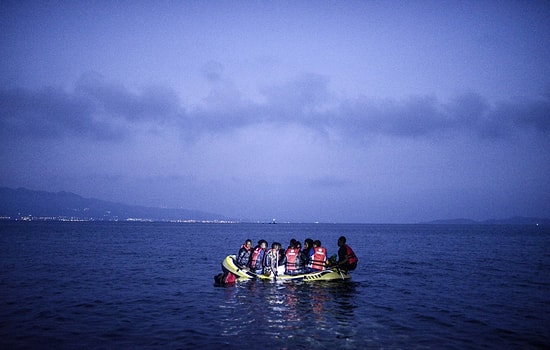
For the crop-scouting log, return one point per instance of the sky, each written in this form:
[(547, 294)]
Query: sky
[(299, 111)]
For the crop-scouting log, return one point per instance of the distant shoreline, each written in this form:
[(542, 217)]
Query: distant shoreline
[(513, 221)]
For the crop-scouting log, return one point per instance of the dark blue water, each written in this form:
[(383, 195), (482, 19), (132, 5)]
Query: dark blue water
[(150, 285)]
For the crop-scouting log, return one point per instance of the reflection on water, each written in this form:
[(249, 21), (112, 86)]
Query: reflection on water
[(294, 313)]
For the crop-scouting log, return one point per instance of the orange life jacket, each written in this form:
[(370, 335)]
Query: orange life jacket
[(291, 258), (319, 258), (254, 263), (352, 258)]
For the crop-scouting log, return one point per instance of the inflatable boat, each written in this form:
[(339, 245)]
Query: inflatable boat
[(229, 264)]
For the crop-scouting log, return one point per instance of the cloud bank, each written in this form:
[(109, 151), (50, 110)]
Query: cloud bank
[(103, 110)]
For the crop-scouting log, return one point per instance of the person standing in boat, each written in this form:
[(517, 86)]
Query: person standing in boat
[(347, 260), (243, 257), (319, 257), (257, 257)]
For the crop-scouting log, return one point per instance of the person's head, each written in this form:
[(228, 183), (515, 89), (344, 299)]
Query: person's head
[(298, 245), (292, 243), (276, 245), (317, 243), (248, 243), (341, 241), (308, 243), (262, 243)]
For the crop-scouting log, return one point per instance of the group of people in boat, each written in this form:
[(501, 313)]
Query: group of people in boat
[(294, 259)]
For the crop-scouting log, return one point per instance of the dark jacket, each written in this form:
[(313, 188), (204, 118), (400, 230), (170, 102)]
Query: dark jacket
[(243, 258)]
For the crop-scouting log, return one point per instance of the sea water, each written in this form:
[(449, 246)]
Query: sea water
[(121, 285)]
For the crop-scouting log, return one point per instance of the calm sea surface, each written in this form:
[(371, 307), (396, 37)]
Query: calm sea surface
[(150, 285)]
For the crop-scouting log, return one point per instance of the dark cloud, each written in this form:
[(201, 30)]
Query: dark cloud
[(308, 101), (511, 115), (221, 120), (424, 116), (470, 113), (104, 110), (49, 112), (96, 109), (465, 112), (156, 104), (416, 116)]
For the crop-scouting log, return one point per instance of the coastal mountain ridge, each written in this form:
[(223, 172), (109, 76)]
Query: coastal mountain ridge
[(24, 203), (21, 203)]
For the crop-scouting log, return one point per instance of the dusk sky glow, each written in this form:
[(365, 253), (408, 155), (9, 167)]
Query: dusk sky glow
[(330, 111)]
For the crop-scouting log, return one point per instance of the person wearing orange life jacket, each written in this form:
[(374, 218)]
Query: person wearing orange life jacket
[(319, 257), (257, 257), (347, 260), (293, 260)]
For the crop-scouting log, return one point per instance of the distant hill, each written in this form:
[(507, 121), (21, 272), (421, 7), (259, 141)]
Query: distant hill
[(517, 220), (24, 203)]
